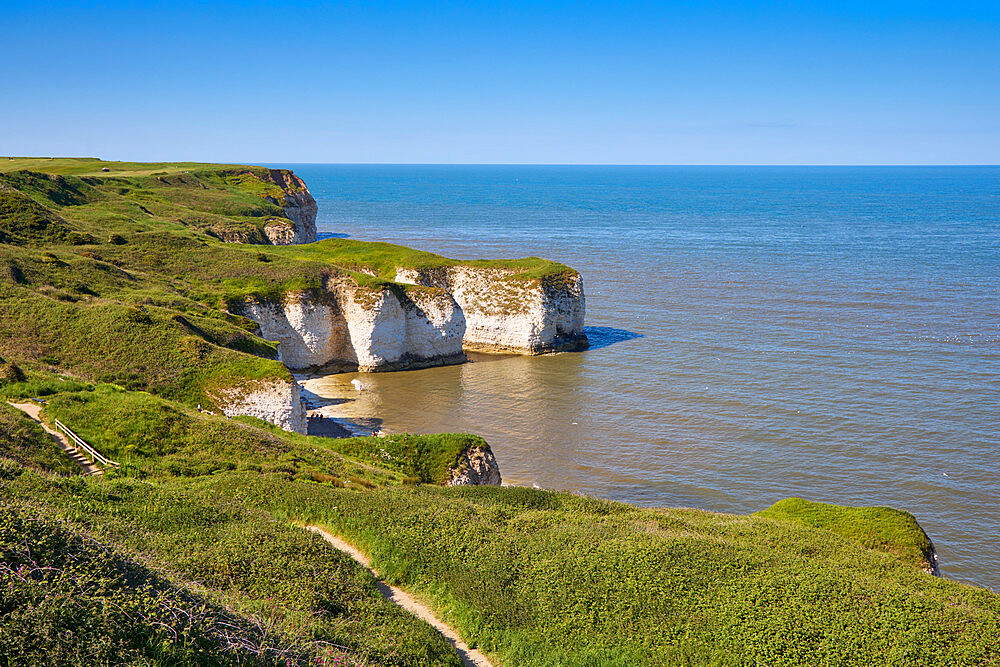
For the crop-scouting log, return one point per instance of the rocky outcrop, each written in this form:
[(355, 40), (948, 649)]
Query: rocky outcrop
[(429, 322), (282, 232), (309, 329), (475, 467), (931, 565), (358, 327), (299, 207), (275, 401), (504, 313)]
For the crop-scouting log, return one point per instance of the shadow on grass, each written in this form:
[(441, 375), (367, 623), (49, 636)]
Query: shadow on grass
[(604, 336)]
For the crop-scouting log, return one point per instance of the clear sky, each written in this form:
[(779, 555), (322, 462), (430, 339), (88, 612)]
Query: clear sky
[(845, 82)]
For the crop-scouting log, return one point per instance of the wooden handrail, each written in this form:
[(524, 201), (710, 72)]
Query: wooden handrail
[(96, 455)]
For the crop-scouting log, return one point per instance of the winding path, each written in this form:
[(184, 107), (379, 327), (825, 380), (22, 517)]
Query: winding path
[(71, 450), (470, 656)]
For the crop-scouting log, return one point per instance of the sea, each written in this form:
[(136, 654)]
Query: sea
[(831, 333)]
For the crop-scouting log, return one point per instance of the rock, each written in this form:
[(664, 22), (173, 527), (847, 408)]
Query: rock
[(475, 467), (275, 401), (310, 329), (299, 206), (361, 328), (443, 313), (505, 314), (281, 232)]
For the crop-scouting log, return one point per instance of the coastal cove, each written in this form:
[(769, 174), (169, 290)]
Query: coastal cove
[(500, 335), (165, 319), (831, 333)]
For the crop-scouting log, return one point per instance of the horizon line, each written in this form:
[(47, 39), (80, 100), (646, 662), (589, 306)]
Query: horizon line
[(533, 164), (644, 164)]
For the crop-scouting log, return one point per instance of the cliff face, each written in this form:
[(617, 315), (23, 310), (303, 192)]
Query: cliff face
[(475, 467), (511, 315), (275, 401), (447, 311), (369, 329), (298, 205)]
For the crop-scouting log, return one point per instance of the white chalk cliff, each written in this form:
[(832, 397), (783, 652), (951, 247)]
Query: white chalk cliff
[(365, 328), (427, 321), (506, 314), (276, 401)]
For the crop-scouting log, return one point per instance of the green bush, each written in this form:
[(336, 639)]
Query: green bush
[(10, 372)]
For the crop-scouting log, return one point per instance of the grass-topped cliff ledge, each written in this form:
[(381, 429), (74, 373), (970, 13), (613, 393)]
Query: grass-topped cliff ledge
[(167, 277), (125, 304)]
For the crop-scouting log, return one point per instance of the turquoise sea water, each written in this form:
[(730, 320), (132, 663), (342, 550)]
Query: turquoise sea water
[(759, 332)]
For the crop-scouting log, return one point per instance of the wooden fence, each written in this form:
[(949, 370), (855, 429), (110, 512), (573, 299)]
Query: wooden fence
[(95, 455)]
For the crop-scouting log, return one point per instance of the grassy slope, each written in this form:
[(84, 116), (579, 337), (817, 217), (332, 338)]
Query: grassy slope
[(881, 528), (73, 601), (547, 578), (384, 258), (534, 577), (22, 440), (283, 589), (153, 437), (290, 598)]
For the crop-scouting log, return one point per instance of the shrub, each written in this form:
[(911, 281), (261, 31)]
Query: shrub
[(81, 238), (10, 372)]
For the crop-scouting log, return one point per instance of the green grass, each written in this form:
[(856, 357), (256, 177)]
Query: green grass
[(153, 438), (427, 459), (67, 600), (40, 385), (543, 578), (533, 577), (23, 220), (162, 574), (85, 166), (22, 440), (882, 528), (384, 258), (135, 346)]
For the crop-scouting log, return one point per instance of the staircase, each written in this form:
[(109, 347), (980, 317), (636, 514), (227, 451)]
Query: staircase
[(89, 459)]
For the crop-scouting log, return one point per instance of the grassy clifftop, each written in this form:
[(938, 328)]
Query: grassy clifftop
[(383, 259), (92, 166), (879, 528), (123, 276), (227, 201)]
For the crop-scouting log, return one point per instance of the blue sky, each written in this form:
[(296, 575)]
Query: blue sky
[(618, 83)]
